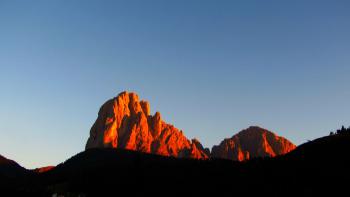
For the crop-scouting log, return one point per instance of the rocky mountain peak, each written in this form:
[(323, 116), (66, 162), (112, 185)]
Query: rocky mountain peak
[(251, 143), (125, 122)]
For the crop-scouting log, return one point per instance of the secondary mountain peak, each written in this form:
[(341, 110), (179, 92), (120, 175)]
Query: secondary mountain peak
[(125, 122), (251, 143)]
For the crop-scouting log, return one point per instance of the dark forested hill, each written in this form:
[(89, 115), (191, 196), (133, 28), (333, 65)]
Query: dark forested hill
[(318, 167)]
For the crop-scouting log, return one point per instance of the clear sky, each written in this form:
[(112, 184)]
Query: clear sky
[(212, 68)]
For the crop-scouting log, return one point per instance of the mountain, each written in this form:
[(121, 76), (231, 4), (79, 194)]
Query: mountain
[(251, 143), (125, 122)]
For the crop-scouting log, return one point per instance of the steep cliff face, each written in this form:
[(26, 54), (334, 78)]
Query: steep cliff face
[(125, 122), (250, 143)]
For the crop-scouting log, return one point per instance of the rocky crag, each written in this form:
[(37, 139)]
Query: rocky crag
[(125, 122)]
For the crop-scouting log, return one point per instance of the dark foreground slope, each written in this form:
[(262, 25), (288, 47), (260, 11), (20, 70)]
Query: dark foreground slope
[(318, 167), (12, 175), (10, 169)]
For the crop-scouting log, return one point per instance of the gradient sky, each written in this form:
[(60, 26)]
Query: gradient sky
[(212, 68)]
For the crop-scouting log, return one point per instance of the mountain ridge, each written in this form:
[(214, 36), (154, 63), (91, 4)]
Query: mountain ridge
[(316, 167), (125, 122)]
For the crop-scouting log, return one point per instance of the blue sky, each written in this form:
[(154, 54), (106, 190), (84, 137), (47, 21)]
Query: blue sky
[(212, 68)]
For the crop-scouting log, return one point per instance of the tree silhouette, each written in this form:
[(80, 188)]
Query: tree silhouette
[(342, 130)]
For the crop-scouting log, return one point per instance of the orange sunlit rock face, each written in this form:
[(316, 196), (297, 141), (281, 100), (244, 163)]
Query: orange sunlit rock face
[(251, 143), (125, 122), (44, 169)]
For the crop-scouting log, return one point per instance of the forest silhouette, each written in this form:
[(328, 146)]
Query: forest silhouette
[(317, 167)]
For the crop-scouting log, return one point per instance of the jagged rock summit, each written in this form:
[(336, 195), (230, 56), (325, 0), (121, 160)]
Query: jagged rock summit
[(125, 122), (251, 143)]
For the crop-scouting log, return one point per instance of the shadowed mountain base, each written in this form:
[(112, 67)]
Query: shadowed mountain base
[(317, 167)]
